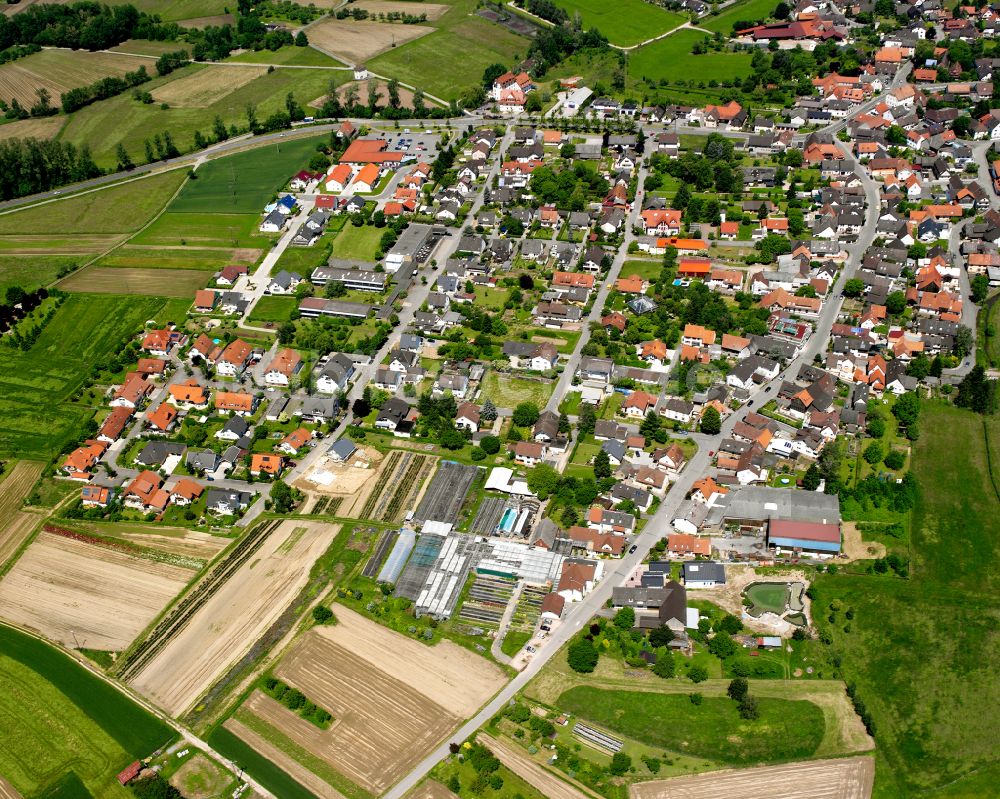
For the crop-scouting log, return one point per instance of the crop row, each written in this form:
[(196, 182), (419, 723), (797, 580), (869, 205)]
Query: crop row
[(373, 497), (135, 660), (414, 476)]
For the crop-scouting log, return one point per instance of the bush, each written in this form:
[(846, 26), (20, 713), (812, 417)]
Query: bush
[(894, 460), (748, 708), (582, 656), (664, 666), (620, 763), (738, 689), (697, 674), (322, 615)]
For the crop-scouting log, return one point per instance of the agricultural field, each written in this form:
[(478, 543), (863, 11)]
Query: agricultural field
[(59, 71), (200, 230), (400, 483), (392, 699), (122, 208), (845, 778), (670, 58), (206, 86), (69, 724), (451, 60), (508, 392), (174, 669), (40, 128), (243, 183), (16, 523), (786, 730), (625, 23), (124, 120), (921, 651), (126, 280), (89, 594), (31, 271), (273, 309), (189, 544), (290, 56), (174, 10), (358, 41), (140, 258), (38, 413), (741, 10)]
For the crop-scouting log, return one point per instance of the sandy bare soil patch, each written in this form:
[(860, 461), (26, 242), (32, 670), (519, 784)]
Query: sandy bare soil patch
[(432, 10), (44, 128), (235, 616), (354, 42), (283, 761), (338, 479), (206, 86), (531, 772), (453, 677), (16, 523), (845, 778), (85, 595), (431, 789), (361, 89), (857, 549)]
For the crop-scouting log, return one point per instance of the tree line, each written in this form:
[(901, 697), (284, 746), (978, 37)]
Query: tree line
[(29, 166), (83, 25)]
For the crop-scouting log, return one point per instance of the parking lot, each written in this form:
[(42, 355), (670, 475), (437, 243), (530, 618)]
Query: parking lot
[(418, 143)]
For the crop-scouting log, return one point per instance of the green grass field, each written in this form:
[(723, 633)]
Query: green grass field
[(128, 257), (243, 183), (647, 270), (122, 208), (670, 59), (37, 414), (988, 345), (768, 596), (173, 10), (174, 228), (787, 729), (60, 720), (31, 271), (357, 243), (507, 392), (124, 120), (743, 10), (452, 60), (626, 22), (262, 769), (287, 56), (923, 651), (273, 309)]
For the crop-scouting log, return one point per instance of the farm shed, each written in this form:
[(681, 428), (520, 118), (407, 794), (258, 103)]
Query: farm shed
[(817, 537), (397, 558)]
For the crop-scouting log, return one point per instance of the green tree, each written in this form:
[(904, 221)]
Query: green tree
[(711, 422), (489, 411), (624, 619), (543, 480), (490, 445), (894, 460), (873, 453), (722, 645), (697, 674), (620, 763), (582, 656), (748, 708), (665, 666), (322, 614), (854, 287), (738, 688), (660, 636), (281, 497), (301, 40), (525, 414), (812, 478), (895, 303), (587, 420), (602, 465)]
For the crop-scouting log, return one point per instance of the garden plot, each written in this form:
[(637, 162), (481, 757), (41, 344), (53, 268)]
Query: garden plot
[(352, 480), (846, 778), (399, 486), (354, 42), (517, 760), (392, 698), (446, 493), (228, 619), (85, 594)]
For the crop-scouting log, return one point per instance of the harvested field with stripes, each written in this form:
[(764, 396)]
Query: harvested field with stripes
[(87, 595), (845, 778), (154, 282), (15, 522), (392, 698), (226, 613), (60, 70)]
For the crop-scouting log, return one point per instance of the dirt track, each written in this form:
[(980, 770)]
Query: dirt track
[(84, 595), (846, 778), (235, 617), (7, 790), (531, 772)]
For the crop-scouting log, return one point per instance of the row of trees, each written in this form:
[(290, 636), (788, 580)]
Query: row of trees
[(83, 25), (29, 166)]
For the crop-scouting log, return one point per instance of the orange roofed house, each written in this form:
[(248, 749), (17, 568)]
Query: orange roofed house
[(263, 463), (286, 364), (235, 402), (370, 151), (188, 394)]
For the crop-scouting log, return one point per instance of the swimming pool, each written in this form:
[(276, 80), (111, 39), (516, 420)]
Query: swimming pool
[(507, 520)]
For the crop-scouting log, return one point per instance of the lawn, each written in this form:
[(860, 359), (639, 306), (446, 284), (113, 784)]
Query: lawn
[(508, 392), (122, 208), (670, 59), (38, 416), (647, 270), (245, 182), (273, 309), (787, 729), (450, 61), (742, 10), (988, 345), (31, 271), (123, 120), (357, 243), (66, 721), (768, 596), (626, 22), (923, 651), (513, 642), (172, 10)]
